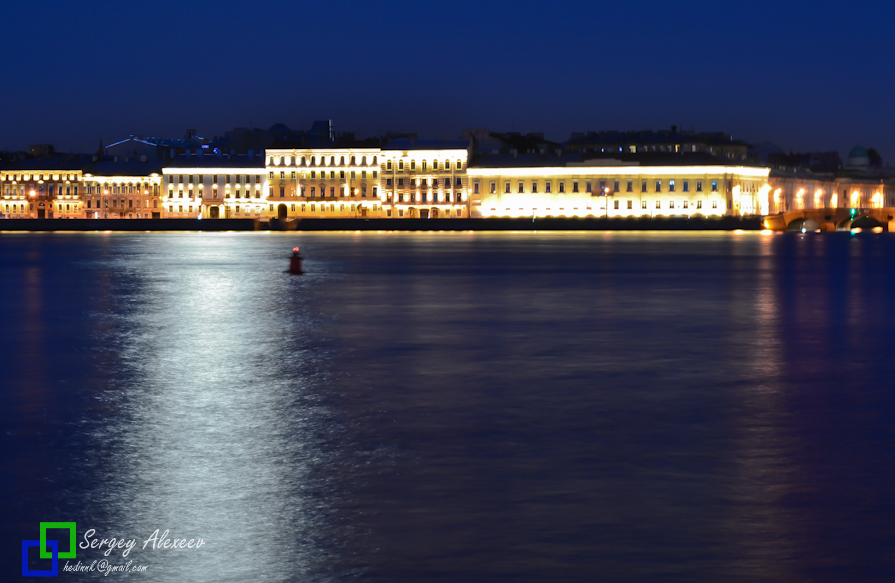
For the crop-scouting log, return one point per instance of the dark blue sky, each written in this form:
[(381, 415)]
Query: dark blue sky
[(807, 75)]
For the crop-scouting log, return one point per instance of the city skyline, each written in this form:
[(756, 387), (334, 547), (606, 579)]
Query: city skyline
[(797, 76)]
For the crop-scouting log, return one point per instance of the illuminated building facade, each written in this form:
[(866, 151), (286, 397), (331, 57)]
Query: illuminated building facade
[(122, 190), (214, 187), (530, 186), (334, 180), (49, 188), (423, 179)]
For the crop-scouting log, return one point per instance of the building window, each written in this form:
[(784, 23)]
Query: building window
[(658, 186), (388, 165), (458, 183), (686, 204), (714, 186), (630, 204), (643, 186), (547, 186), (629, 187), (401, 182), (671, 204), (615, 186), (588, 186), (459, 165), (671, 186), (699, 186), (493, 188), (388, 182), (400, 164), (686, 186), (506, 187), (615, 204), (521, 187), (658, 204), (714, 204), (562, 186), (574, 186), (475, 187), (602, 187), (534, 186)]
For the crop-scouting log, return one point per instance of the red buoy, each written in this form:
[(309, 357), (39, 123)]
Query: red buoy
[(295, 262)]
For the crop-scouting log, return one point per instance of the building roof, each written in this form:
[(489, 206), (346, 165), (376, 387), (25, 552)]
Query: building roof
[(407, 144), (67, 163), (618, 159), (216, 161), (124, 168)]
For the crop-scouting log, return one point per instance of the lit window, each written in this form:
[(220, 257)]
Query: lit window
[(493, 188), (615, 204), (630, 204), (714, 187), (671, 186), (714, 204)]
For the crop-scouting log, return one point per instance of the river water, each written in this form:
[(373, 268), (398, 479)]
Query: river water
[(453, 406)]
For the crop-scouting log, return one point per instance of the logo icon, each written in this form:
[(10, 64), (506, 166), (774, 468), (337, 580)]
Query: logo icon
[(53, 554)]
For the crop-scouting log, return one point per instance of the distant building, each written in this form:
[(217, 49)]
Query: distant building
[(425, 178), (123, 189), (38, 188), (215, 186), (571, 186), (338, 178), (673, 141), (156, 149)]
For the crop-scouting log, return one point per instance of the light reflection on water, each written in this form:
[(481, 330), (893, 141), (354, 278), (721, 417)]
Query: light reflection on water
[(457, 406)]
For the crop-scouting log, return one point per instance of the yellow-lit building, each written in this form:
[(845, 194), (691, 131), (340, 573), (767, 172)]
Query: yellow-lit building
[(214, 187), (333, 180), (425, 178), (545, 186), (794, 191), (50, 188), (122, 190)]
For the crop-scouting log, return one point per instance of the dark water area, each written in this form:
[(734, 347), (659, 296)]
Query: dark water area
[(453, 406)]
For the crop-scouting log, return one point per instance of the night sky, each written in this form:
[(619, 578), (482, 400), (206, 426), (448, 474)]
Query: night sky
[(807, 75)]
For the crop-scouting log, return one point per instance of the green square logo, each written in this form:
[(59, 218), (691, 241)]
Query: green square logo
[(44, 553)]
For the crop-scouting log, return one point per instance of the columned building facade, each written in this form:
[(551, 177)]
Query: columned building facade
[(535, 187)]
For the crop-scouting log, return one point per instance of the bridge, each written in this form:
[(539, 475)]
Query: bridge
[(832, 219)]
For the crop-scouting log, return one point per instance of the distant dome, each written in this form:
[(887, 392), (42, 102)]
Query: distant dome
[(858, 157)]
